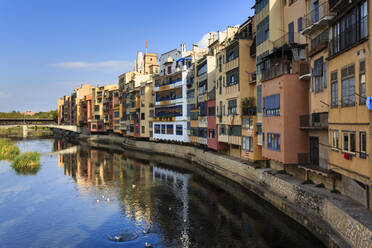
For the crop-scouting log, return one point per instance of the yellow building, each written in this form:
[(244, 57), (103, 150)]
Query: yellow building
[(147, 100), (315, 26), (349, 64), (235, 85)]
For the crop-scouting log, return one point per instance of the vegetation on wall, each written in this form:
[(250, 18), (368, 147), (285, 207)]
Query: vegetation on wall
[(249, 105)]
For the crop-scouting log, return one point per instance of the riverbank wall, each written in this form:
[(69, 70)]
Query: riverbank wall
[(337, 220)]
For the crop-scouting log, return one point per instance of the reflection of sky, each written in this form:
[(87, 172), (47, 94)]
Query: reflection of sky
[(51, 209)]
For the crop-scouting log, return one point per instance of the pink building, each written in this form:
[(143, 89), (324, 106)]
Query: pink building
[(285, 98), (212, 137)]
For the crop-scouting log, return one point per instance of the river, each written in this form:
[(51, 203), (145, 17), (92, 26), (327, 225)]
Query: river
[(89, 197)]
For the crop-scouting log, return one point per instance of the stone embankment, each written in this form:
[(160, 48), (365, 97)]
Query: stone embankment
[(335, 219)]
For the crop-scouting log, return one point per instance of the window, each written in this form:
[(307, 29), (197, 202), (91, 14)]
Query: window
[(163, 128), (291, 32), (142, 91), (211, 111), (349, 29), (235, 131), (363, 145), (259, 98), (262, 33), (299, 24), (325, 75), (202, 68), (319, 40), (142, 116), (150, 124), (247, 123), (179, 129), (334, 136), (232, 106), (317, 76), (143, 129), (170, 129), (260, 5), (116, 114), (348, 86), (169, 69), (247, 143), (271, 105), (212, 133), (334, 89), (362, 82), (273, 141), (94, 126), (232, 77), (222, 129), (96, 107), (232, 52), (194, 116), (348, 139)]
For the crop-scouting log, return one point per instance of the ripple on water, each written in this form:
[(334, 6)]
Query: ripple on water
[(124, 236)]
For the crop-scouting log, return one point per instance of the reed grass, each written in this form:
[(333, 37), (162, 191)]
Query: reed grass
[(8, 150), (27, 163)]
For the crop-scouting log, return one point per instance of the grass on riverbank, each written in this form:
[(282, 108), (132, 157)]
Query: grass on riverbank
[(27, 163), (8, 150)]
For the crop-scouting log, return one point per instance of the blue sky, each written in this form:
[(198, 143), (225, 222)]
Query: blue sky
[(48, 47)]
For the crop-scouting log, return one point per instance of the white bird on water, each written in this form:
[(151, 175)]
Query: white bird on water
[(108, 199), (133, 186), (148, 245), (97, 200)]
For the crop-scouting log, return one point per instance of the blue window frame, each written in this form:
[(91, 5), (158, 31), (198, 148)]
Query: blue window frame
[(273, 141), (271, 105)]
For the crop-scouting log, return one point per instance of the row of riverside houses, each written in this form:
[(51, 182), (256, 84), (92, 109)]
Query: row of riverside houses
[(287, 89)]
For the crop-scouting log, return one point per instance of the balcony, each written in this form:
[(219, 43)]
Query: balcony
[(317, 18), (304, 72), (275, 71), (338, 5), (288, 39), (316, 121), (252, 77)]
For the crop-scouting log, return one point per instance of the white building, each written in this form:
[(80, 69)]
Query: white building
[(170, 122)]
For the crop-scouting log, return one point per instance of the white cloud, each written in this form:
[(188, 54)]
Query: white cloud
[(3, 95), (203, 43), (103, 66)]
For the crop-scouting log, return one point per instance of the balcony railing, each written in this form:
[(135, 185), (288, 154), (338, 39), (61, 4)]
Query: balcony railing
[(275, 71), (288, 38), (314, 121), (316, 16), (304, 70)]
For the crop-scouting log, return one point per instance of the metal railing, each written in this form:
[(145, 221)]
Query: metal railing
[(316, 14), (275, 71), (314, 121), (288, 38), (304, 69)]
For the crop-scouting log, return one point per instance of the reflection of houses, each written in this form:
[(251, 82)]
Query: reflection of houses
[(180, 185)]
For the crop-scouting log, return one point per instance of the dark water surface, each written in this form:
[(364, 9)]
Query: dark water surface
[(82, 197)]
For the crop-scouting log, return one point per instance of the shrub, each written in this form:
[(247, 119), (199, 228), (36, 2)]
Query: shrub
[(27, 163), (8, 151)]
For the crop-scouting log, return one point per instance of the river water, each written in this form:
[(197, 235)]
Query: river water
[(89, 197)]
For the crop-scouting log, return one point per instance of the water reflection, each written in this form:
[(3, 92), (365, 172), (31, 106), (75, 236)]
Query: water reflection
[(170, 207)]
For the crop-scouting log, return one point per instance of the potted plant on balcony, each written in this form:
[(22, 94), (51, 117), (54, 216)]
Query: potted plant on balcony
[(249, 106)]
